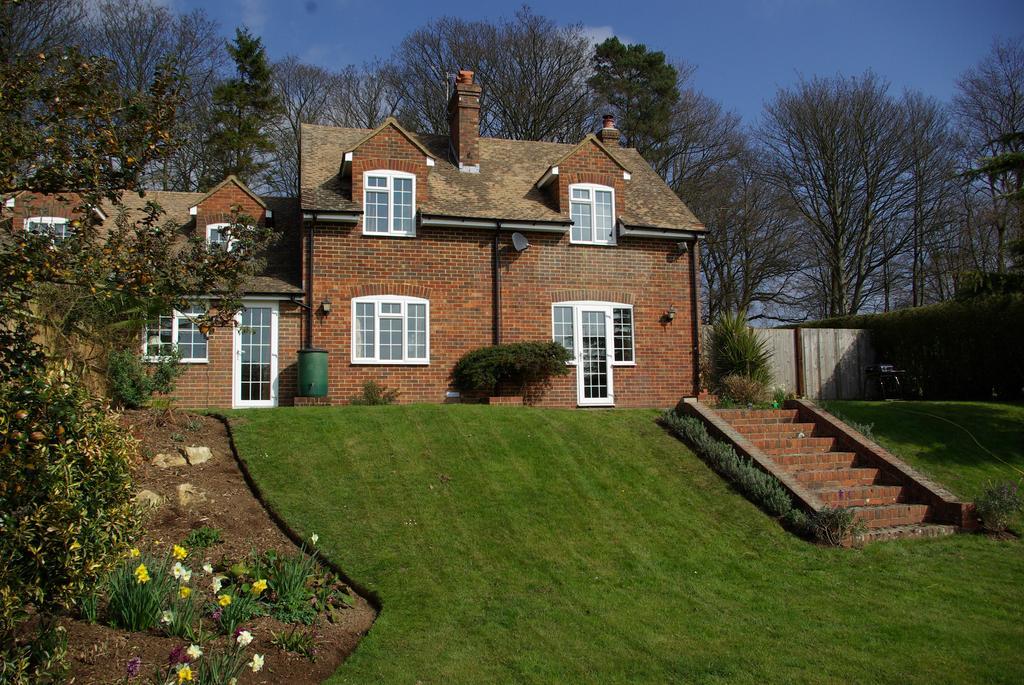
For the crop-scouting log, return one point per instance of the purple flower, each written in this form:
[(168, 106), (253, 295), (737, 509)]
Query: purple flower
[(217, 614), (134, 666), (177, 656)]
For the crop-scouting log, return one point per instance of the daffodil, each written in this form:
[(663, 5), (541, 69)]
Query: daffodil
[(216, 583), (208, 567), (257, 663), (244, 638), (194, 652), (184, 592), (179, 552), (181, 573), (141, 574), (224, 600), (166, 617), (185, 674), (259, 586), (314, 538), (134, 552)]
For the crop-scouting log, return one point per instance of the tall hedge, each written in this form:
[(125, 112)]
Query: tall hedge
[(971, 349)]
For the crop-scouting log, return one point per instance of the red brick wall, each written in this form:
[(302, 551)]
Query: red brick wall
[(33, 204), (217, 208), (452, 268), (389, 149), (590, 164)]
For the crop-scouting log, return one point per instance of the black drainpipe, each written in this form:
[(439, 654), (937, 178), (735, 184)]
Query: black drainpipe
[(496, 281), (309, 285)]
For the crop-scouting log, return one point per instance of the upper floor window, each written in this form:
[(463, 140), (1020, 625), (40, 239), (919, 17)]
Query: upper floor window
[(177, 332), (389, 203), (390, 329), (218, 236), (592, 209), (56, 227)]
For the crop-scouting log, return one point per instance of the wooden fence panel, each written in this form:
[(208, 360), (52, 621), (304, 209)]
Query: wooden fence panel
[(833, 360), (780, 341)]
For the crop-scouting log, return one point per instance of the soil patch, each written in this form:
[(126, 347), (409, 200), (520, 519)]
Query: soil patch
[(218, 498)]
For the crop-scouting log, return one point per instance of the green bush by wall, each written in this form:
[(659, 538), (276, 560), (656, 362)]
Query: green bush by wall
[(971, 349)]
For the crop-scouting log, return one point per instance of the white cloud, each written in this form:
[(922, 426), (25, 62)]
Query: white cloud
[(254, 14), (599, 34)]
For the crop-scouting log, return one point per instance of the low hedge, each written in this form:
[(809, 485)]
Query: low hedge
[(830, 526), (968, 349), (515, 365)]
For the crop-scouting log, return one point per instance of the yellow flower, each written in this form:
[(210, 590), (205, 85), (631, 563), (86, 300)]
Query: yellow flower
[(180, 552), (185, 592), (259, 586), (184, 673), (133, 552), (224, 600), (141, 574)]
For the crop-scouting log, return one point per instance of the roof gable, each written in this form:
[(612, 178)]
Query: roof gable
[(391, 122), (591, 139), (232, 179)]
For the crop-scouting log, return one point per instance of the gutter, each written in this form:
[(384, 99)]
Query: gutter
[(494, 224), (667, 234), (309, 283), (333, 217)]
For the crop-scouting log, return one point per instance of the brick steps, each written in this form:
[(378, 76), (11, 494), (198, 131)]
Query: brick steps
[(838, 478)]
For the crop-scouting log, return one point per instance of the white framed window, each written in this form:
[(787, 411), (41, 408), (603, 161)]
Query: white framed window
[(218, 237), (565, 328), (57, 227), (592, 210), (390, 329), (177, 332), (389, 203)]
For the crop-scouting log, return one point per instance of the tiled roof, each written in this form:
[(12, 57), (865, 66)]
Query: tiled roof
[(281, 273), (504, 189)]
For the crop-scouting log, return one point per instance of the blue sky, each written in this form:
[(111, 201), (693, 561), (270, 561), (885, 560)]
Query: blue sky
[(744, 49)]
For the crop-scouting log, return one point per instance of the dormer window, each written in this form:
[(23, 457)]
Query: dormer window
[(389, 203), (57, 227), (592, 210), (218, 237)]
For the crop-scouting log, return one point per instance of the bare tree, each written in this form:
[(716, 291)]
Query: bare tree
[(751, 253), (989, 106), (140, 37), (40, 26), (365, 96), (836, 148), (534, 74)]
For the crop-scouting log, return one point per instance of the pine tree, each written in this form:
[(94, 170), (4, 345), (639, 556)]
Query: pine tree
[(243, 107), (640, 86)]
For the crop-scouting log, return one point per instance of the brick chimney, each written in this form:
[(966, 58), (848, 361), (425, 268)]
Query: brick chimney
[(609, 135), (464, 122)]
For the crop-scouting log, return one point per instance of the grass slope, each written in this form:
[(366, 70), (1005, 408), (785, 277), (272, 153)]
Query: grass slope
[(513, 545)]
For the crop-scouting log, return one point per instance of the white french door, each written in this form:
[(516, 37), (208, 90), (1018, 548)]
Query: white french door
[(255, 355), (593, 344)]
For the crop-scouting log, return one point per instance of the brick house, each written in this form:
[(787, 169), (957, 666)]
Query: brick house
[(405, 251)]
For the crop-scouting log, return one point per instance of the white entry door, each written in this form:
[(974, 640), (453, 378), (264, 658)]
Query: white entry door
[(255, 352), (593, 343)]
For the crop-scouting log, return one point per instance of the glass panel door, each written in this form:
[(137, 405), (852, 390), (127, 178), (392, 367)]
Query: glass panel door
[(594, 373), (256, 357)]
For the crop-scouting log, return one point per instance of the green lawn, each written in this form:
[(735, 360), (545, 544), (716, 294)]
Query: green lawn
[(963, 445), (517, 545)]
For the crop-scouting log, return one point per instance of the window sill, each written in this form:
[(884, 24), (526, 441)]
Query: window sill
[(159, 360), (623, 363), (390, 362), (368, 234), (591, 244)]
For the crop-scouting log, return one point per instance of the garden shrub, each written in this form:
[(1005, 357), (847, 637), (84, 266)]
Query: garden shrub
[(202, 537), (743, 390), (132, 384), (834, 525), (375, 394), (514, 364), (66, 501), (998, 504), (954, 350), (735, 350)]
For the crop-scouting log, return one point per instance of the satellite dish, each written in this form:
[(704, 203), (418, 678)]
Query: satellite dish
[(520, 242)]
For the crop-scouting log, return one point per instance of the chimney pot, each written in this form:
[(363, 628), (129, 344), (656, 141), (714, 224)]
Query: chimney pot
[(609, 135), (465, 76), (609, 121)]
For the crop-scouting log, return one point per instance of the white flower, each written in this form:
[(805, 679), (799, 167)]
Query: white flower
[(180, 572), (208, 567), (216, 583), (244, 638), (166, 617), (194, 652), (257, 663), (314, 537), (186, 575)]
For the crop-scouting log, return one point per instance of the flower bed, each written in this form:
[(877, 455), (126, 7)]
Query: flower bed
[(213, 590)]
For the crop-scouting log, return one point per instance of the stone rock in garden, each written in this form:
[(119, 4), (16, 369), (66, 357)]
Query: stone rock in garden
[(148, 498), (198, 455), (188, 494), (164, 461)]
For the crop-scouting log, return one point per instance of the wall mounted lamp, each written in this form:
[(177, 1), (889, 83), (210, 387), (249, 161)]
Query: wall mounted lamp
[(325, 307), (669, 315)]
